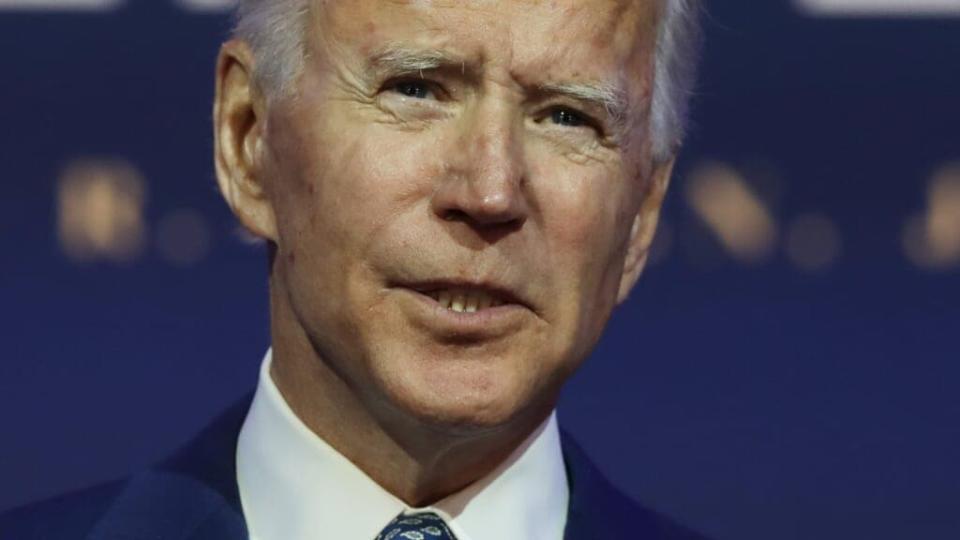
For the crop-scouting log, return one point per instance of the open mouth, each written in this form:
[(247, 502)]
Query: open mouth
[(466, 298)]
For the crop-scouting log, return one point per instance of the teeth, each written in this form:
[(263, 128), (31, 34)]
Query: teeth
[(458, 302), (464, 301)]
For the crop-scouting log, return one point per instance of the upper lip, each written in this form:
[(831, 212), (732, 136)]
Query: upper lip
[(499, 292)]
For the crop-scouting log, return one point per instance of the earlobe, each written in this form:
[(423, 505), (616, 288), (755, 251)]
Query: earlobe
[(238, 122), (644, 228)]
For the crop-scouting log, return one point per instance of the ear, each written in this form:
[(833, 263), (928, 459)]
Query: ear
[(644, 227), (239, 121)]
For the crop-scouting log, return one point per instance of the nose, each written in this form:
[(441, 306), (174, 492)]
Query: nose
[(484, 178)]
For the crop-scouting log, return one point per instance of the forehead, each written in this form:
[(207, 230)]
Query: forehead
[(539, 39)]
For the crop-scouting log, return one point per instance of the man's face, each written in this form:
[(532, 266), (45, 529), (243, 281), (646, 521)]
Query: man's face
[(453, 199)]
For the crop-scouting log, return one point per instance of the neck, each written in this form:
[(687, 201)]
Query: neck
[(418, 462)]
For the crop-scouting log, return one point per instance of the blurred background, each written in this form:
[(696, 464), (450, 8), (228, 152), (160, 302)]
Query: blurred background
[(787, 367)]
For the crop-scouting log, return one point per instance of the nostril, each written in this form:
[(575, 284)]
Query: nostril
[(455, 215)]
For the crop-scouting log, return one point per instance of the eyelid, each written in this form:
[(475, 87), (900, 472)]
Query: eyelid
[(589, 120), (439, 91)]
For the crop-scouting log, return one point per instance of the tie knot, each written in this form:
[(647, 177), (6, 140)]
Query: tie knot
[(422, 526)]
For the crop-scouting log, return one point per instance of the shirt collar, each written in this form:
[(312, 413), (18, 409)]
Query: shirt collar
[(294, 485)]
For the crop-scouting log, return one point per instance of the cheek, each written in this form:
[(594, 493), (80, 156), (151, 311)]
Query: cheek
[(339, 185), (340, 191), (583, 218), (586, 227)]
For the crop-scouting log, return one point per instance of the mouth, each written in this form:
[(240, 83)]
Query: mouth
[(461, 310), (464, 300), (466, 297)]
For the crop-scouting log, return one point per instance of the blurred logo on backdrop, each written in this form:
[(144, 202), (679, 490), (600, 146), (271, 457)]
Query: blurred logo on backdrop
[(101, 216), (100, 210), (874, 8), (108, 5)]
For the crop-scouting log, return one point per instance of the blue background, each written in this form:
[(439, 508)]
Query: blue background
[(751, 401)]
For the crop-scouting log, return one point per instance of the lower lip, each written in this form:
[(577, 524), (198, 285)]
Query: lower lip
[(483, 323)]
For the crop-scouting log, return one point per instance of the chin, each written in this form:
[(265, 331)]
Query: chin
[(463, 396)]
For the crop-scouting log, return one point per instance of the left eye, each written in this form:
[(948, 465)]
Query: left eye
[(413, 89), (567, 117)]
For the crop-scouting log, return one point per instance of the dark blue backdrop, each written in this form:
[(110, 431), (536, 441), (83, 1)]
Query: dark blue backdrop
[(751, 400)]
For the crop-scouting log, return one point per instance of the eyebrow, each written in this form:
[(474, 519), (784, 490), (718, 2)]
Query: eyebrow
[(399, 59), (609, 97)]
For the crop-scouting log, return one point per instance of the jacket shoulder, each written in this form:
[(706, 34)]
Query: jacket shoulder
[(192, 495), (66, 517), (598, 510)]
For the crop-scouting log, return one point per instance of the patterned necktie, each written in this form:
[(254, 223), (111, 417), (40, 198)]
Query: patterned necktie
[(424, 526)]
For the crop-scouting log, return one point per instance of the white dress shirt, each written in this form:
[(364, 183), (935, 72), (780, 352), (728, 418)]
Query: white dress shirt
[(294, 486)]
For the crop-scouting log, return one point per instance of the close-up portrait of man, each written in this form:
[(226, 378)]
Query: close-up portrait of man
[(454, 195), (479, 270)]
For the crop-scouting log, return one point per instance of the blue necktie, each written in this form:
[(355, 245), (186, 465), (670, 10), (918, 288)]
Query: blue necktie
[(424, 526)]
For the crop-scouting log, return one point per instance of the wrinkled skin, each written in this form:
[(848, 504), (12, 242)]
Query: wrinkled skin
[(371, 180)]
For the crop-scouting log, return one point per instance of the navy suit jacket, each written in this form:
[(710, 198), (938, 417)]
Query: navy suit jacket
[(194, 496)]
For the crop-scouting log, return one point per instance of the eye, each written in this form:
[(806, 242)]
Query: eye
[(567, 117), (413, 89)]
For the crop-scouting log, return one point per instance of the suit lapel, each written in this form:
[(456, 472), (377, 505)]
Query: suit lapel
[(589, 514), (599, 510), (160, 504), (192, 496)]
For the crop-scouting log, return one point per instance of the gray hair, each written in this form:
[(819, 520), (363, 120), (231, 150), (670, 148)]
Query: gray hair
[(275, 31)]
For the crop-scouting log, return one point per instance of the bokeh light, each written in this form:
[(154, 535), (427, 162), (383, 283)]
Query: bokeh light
[(734, 213), (813, 242), (207, 5), (183, 237), (60, 5), (932, 240), (100, 210), (879, 8)]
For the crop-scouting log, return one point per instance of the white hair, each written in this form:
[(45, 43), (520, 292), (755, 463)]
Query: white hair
[(275, 31), (675, 73)]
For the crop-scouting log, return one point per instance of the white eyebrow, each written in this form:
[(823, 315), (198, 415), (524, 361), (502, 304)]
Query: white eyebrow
[(610, 97), (406, 60)]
